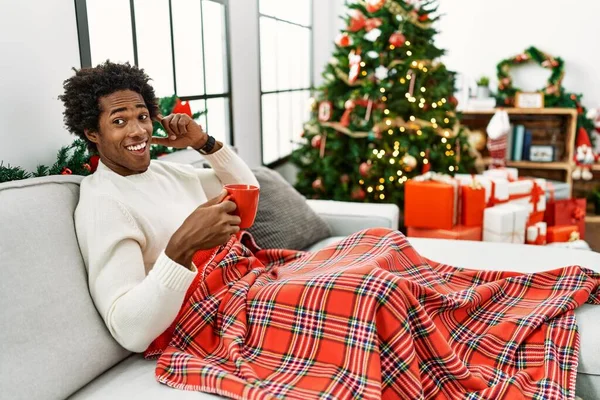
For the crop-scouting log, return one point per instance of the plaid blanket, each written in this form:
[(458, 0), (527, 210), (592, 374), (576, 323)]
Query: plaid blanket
[(369, 318)]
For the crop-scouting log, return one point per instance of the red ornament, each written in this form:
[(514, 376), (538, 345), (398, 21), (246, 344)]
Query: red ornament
[(364, 169), (453, 100), (424, 17), (373, 23), (317, 184), (316, 142), (358, 194), (374, 5), (66, 171), (87, 167), (345, 179), (182, 107), (94, 163), (522, 57), (343, 40), (349, 106), (426, 163), (397, 39), (357, 21)]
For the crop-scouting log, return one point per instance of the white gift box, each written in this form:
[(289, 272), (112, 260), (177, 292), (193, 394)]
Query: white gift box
[(533, 231), (520, 192), (558, 190), (505, 223), (498, 185), (506, 173)]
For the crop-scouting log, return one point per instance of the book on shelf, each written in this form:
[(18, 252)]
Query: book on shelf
[(517, 149), (509, 142), (526, 145)]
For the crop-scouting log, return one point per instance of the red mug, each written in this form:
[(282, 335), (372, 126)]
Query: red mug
[(246, 199)]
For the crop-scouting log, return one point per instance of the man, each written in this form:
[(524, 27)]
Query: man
[(139, 222)]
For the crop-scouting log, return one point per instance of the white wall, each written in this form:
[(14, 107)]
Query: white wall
[(38, 46), (478, 34)]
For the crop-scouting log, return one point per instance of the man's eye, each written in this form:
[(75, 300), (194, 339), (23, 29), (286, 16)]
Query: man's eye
[(119, 121), (143, 117)]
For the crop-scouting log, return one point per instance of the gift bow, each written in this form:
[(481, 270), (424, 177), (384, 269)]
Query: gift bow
[(578, 214), (475, 184), (574, 236)]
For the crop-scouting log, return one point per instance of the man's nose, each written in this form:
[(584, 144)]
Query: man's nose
[(136, 129)]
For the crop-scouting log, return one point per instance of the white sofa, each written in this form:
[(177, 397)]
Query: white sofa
[(55, 345)]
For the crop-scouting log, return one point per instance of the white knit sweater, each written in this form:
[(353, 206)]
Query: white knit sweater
[(123, 226)]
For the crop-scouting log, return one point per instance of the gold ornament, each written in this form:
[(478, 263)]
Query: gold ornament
[(477, 140), (409, 162)]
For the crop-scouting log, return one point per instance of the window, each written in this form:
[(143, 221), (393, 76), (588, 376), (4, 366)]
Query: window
[(286, 74), (170, 39)]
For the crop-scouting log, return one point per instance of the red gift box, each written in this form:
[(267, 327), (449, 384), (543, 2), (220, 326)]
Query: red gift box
[(429, 203), (473, 205), (459, 232), (567, 212), (562, 233)]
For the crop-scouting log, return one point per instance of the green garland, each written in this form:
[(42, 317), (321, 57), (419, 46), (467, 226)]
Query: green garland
[(554, 93), (75, 158)]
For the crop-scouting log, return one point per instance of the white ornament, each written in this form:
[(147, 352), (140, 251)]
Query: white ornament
[(373, 35), (399, 17), (334, 61), (381, 72), (372, 54)]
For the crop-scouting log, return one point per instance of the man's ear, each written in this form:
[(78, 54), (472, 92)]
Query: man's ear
[(92, 136)]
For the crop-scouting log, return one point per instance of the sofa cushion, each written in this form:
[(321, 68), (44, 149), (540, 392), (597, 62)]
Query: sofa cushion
[(52, 340), (284, 220), (134, 378)]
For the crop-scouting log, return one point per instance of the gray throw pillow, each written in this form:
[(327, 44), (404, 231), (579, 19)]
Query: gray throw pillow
[(284, 220)]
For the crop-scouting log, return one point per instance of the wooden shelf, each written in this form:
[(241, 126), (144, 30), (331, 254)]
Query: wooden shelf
[(539, 165), (592, 218), (526, 111), (596, 167)]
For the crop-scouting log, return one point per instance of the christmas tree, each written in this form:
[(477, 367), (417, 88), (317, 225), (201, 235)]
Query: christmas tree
[(386, 111)]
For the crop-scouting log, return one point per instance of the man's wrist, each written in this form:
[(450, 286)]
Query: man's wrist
[(202, 142), (179, 254)]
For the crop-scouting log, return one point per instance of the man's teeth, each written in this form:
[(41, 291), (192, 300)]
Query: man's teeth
[(137, 147)]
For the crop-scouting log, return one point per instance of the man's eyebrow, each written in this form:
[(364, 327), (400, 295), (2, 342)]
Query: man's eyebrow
[(117, 110)]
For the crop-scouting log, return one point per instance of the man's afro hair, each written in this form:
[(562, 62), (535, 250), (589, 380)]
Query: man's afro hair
[(84, 90)]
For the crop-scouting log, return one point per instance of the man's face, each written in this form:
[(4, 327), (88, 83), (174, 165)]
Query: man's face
[(125, 132)]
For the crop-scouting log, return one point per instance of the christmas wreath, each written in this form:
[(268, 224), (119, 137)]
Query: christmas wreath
[(553, 89)]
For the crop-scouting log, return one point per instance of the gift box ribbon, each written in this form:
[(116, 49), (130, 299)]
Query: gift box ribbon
[(493, 200)]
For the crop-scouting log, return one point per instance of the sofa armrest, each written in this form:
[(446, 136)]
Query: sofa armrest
[(345, 218)]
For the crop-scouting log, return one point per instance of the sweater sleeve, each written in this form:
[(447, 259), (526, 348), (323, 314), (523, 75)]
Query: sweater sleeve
[(136, 308), (230, 168)]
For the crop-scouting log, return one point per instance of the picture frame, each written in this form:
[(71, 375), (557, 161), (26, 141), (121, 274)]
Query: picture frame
[(541, 153), (529, 100)]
